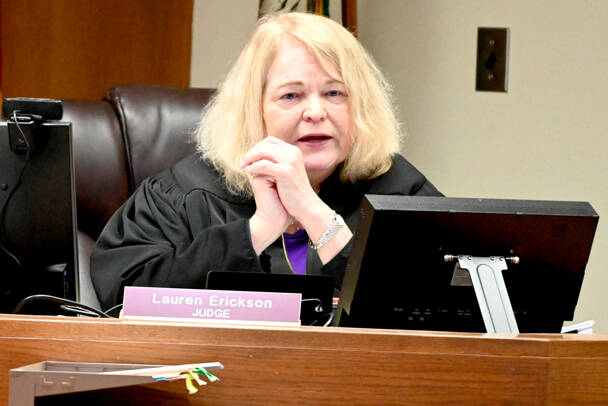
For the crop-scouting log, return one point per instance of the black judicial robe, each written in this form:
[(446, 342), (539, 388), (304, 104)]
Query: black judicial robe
[(183, 223)]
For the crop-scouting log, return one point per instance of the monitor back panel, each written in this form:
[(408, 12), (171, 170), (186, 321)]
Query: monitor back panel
[(399, 279)]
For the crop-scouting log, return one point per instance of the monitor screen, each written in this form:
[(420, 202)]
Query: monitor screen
[(37, 218), (397, 276)]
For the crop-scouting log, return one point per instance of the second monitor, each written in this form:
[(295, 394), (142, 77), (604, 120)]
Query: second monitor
[(397, 275)]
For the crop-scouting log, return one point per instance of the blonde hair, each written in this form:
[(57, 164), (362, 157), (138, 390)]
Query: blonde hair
[(232, 122)]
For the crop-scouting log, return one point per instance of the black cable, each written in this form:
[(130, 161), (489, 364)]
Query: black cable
[(111, 309), (319, 307), (19, 180), (330, 320), (63, 301), (78, 310)]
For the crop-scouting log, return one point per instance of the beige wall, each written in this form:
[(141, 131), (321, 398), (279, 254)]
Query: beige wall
[(220, 29), (541, 140)]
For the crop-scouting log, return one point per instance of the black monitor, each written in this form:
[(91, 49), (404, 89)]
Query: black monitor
[(398, 275), (37, 210)]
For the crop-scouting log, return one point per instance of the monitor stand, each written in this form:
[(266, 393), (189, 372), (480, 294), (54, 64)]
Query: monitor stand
[(485, 275)]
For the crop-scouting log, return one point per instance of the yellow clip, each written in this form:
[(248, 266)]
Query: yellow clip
[(191, 388)]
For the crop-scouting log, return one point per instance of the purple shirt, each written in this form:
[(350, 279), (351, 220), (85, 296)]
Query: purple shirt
[(296, 246)]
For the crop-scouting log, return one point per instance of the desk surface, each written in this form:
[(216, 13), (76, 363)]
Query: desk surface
[(313, 365)]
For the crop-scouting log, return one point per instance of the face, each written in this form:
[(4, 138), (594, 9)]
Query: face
[(308, 107)]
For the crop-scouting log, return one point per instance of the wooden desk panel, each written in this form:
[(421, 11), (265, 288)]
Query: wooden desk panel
[(334, 366)]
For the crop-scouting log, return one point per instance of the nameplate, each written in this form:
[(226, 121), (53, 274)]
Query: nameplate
[(217, 306)]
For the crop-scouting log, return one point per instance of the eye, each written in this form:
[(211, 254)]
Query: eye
[(337, 96), (289, 96)]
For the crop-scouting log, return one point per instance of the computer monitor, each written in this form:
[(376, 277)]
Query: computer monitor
[(38, 252), (397, 275)]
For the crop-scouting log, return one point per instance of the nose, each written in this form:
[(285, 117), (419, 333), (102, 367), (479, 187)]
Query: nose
[(314, 110)]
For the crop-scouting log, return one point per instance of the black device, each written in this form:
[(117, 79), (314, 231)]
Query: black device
[(42, 109), (397, 275), (317, 290), (38, 249)]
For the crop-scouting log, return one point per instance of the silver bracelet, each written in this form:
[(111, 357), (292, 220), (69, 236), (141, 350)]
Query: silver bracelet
[(335, 223)]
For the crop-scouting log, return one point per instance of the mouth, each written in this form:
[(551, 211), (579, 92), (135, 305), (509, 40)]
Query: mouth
[(314, 138)]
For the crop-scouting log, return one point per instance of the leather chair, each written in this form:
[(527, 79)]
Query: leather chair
[(136, 131)]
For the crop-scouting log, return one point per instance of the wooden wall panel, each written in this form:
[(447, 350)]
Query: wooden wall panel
[(79, 49)]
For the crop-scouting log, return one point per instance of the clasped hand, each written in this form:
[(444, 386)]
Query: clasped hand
[(281, 189)]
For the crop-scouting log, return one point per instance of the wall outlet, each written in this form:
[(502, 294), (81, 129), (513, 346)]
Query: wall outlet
[(492, 59)]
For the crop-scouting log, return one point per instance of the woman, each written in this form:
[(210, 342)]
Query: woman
[(301, 128)]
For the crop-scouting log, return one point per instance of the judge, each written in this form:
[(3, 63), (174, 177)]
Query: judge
[(300, 130)]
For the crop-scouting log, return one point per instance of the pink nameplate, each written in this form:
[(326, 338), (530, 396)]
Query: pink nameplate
[(211, 305)]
